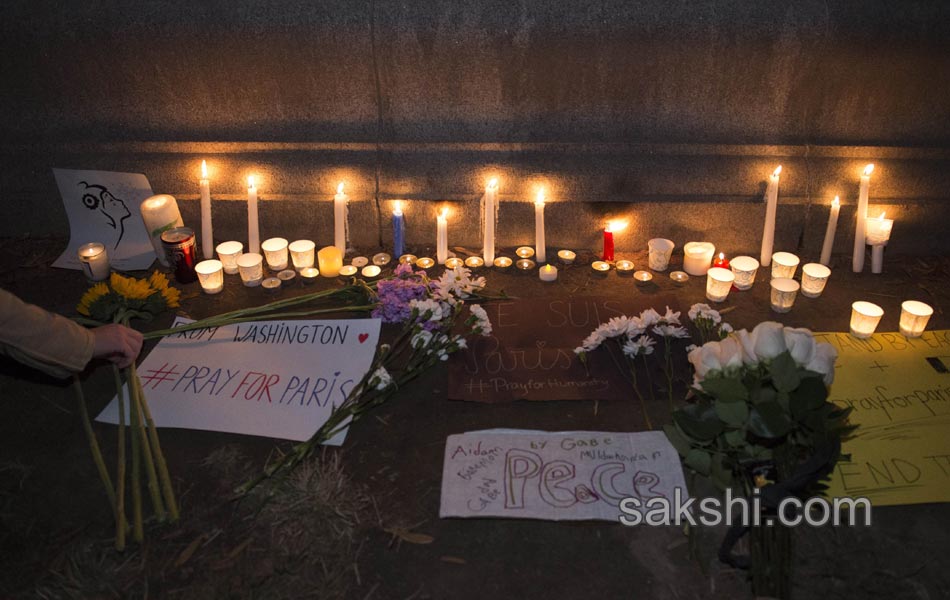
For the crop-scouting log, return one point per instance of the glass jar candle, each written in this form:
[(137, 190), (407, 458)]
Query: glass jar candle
[(744, 268), (94, 261), (814, 278), (784, 291)]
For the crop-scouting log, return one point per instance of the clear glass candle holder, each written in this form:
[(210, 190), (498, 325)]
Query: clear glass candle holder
[(718, 283), (814, 278), (275, 251), (251, 267), (210, 276), (228, 253), (660, 251), (744, 268), (94, 260), (784, 265), (914, 318), (864, 318), (302, 253), (784, 291)]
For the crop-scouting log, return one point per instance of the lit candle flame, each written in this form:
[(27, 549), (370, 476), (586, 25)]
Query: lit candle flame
[(250, 181), (777, 171), (869, 169), (339, 188), (540, 198), (204, 170), (881, 218), (398, 209), (722, 256), (493, 184), (445, 213), (615, 226), (836, 203)]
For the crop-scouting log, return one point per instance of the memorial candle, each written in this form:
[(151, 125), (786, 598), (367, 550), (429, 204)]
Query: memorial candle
[(771, 206), (489, 214), (857, 259), (339, 219), (720, 261), (160, 213), (399, 229), (253, 228), (611, 228), (207, 235), (878, 232), (539, 248), (830, 232), (442, 238)]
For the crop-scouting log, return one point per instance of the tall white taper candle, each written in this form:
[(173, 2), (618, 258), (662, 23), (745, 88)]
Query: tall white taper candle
[(830, 232), (491, 210), (442, 238), (207, 232), (539, 245), (253, 227), (339, 219), (771, 205), (857, 260)]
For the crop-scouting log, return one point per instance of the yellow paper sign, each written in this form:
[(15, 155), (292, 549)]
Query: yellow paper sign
[(899, 390)]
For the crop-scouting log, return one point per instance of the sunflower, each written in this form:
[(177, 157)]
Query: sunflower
[(172, 296), (158, 281), (130, 288), (89, 298)]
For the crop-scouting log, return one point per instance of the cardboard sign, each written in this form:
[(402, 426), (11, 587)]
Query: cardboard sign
[(530, 354), (572, 475), (104, 207), (278, 379), (899, 389)]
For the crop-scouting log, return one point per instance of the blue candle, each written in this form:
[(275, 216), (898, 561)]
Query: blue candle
[(399, 230)]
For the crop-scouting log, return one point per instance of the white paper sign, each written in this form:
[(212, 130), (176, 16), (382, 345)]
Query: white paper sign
[(556, 476), (104, 207), (278, 379)]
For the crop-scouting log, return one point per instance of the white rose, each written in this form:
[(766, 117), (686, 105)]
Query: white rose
[(801, 344), (747, 342), (730, 353), (769, 340), (823, 361), (706, 359)]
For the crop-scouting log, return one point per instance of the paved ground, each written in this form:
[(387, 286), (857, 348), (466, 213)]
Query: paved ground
[(331, 534)]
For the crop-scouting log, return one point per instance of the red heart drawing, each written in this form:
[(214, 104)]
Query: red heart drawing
[(363, 337)]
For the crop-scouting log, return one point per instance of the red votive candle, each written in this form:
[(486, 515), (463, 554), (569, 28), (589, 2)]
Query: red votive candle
[(721, 261), (608, 244)]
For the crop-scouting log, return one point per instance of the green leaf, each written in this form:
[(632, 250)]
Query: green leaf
[(763, 393), (735, 438), (784, 372), (726, 389), (768, 420), (810, 395), (698, 421), (699, 461), (677, 439), (732, 413)]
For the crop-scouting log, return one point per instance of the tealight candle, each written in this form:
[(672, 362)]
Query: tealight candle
[(525, 264), (302, 253), (210, 276), (251, 267), (567, 256), (624, 267), (347, 271), (454, 262), (408, 259), (309, 275), (660, 250), (718, 283), (643, 277), (679, 277), (160, 213), (359, 261), (287, 275), (697, 256), (330, 260), (228, 253), (784, 265), (784, 291), (474, 262), (370, 271), (600, 266), (744, 268), (502, 262), (425, 263), (381, 259), (525, 252), (271, 285), (814, 278), (548, 273), (864, 318), (914, 318), (95, 261), (275, 252)]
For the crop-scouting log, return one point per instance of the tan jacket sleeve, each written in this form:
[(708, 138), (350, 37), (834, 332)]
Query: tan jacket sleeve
[(41, 339)]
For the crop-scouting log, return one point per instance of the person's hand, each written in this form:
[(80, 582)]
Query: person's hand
[(117, 343)]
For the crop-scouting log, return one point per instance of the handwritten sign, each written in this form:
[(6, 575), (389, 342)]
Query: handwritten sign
[(278, 379), (104, 207), (530, 354), (555, 476), (899, 390)]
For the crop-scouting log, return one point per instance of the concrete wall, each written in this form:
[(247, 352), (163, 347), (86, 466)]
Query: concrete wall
[(670, 114)]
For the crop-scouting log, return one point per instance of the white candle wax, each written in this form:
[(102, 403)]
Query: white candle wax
[(697, 257), (878, 233), (339, 219), (95, 261), (488, 217), (330, 261), (442, 238), (548, 273), (160, 213), (864, 319), (253, 227), (857, 259), (210, 276), (771, 206), (539, 244), (830, 232), (207, 232)]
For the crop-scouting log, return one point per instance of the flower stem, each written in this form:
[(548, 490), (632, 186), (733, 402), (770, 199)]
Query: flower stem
[(94, 448), (136, 395), (120, 475), (168, 491), (138, 531), (643, 404)]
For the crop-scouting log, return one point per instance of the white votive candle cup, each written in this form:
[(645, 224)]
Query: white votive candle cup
[(548, 273), (302, 253), (251, 267), (660, 251), (275, 251), (814, 278), (718, 283), (864, 318), (914, 318), (784, 265), (744, 268), (697, 257), (210, 276), (228, 253), (784, 291), (94, 261)]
